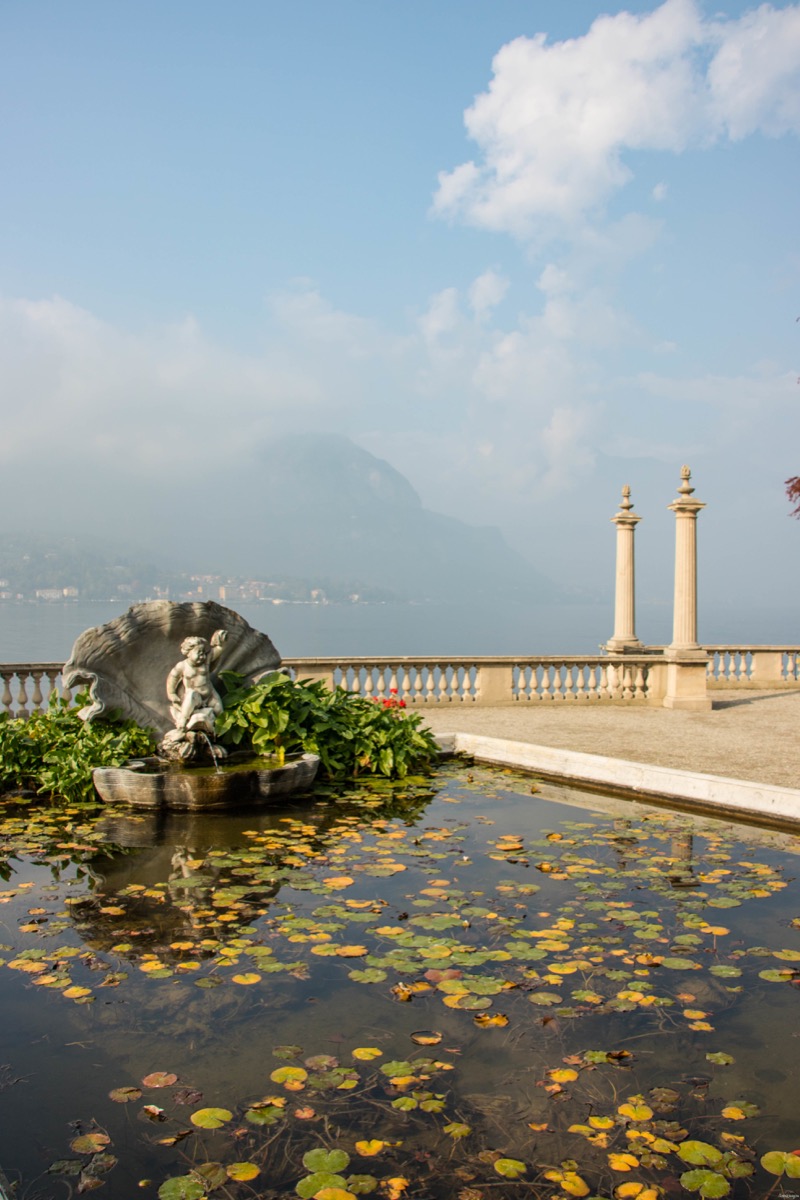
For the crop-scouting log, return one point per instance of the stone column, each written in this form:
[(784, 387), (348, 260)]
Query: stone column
[(625, 638), (687, 662)]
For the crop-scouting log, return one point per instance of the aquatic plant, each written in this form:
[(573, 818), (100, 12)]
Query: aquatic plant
[(352, 735), (54, 752)]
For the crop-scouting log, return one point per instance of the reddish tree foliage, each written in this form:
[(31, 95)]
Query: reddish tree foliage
[(793, 492)]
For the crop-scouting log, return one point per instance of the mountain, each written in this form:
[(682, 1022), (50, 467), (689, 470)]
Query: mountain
[(317, 505)]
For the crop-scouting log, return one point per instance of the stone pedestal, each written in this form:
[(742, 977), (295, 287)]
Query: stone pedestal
[(625, 638)]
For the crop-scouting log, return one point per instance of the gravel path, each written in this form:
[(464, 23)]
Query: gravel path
[(747, 735)]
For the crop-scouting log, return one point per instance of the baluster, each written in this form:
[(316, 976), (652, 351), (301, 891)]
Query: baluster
[(580, 680), (22, 696), (419, 683), (606, 681), (6, 699), (641, 682), (592, 692), (627, 693), (472, 679), (380, 688), (52, 682), (404, 688), (436, 684), (393, 681), (36, 698)]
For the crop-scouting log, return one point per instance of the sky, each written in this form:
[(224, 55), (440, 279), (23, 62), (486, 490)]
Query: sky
[(527, 252)]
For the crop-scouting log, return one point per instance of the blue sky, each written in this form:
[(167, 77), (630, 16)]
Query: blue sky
[(524, 251)]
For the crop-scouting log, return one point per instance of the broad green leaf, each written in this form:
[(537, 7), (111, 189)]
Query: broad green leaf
[(210, 1118)]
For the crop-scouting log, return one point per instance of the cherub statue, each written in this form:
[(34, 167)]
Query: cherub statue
[(189, 685), (194, 701)]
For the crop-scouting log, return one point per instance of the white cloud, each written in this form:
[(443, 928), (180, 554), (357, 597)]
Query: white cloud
[(486, 292), (490, 419), (558, 125)]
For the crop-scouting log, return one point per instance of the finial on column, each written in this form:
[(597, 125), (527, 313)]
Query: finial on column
[(686, 488), (626, 504)]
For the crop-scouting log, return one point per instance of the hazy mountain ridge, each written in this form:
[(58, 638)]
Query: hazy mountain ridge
[(333, 508), (312, 508)]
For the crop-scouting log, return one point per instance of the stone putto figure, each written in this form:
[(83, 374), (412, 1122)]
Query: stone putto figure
[(193, 699)]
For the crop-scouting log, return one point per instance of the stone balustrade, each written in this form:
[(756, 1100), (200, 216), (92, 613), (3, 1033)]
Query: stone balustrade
[(27, 687), (602, 678), (486, 681), (753, 666)]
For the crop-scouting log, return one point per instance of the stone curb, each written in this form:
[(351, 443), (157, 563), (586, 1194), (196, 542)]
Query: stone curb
[(714, 795)]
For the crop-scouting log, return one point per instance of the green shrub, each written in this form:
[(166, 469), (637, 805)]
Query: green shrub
[(351, 734), (54, 751)]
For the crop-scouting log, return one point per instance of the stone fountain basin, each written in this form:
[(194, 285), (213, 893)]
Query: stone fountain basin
[(154, 784)]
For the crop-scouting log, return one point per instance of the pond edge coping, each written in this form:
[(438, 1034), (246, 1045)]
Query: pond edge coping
[(714, 795)]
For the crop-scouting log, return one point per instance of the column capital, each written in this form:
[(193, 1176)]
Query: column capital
[(684, 504), (626, 517)]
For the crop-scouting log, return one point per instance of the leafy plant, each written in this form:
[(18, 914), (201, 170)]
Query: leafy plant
[(54, 752), (351, 734)]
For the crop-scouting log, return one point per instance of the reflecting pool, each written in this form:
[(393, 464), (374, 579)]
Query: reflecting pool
[(469, 985)]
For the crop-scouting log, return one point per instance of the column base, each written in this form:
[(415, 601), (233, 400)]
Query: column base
[(623, 646), (687, 683)]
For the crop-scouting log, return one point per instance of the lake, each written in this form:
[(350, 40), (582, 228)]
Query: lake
[(45, 632), (459, 985)]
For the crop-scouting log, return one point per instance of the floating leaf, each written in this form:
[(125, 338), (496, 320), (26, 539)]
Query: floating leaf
[(367, 1053), (635, 1111), (720, 1058), (456, 1130), (89, 1143), (321, 1159), (622, 1162), (181, 1187), (739, 1110), (242, 1172), (778, 1162), (210, 1118), (699, 1153), (160, 1079), (124, 1095), (211, 1174), (510, 1168), (290, 1077), (708, 1183), (370, 1148)]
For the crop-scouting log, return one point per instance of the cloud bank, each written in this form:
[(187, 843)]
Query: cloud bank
[(558, 128)]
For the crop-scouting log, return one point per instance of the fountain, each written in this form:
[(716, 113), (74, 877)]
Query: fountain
[(129, 665)]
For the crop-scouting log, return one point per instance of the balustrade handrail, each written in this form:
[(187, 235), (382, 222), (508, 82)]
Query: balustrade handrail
[(479, 679)]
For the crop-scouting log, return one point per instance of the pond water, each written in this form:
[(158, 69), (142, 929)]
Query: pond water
[(459, 986)]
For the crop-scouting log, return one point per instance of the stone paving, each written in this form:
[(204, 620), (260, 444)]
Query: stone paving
[(747, 735)]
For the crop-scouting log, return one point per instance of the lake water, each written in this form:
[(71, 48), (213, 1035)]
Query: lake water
[(426, 990), (45, 632)]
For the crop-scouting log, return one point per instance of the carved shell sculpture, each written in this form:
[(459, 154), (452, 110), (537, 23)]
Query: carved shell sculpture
[(126, 661)]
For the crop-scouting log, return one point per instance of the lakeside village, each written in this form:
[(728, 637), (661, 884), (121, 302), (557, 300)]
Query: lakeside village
[(225, 589), (62, 571)]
